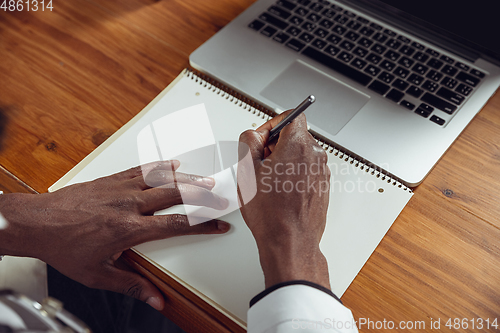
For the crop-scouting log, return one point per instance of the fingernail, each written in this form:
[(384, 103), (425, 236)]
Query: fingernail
[(223, 226), (208, 181), (175, 164), (224, 203), (154, 302)]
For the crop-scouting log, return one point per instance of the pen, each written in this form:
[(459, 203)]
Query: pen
[(275, 131)]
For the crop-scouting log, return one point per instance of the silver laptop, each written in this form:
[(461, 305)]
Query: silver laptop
[(395, 81)]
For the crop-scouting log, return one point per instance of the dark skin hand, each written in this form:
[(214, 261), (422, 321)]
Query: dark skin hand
[(82, 230), (288, 221)]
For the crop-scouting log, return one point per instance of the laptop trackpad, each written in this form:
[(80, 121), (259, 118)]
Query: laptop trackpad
[(336, 102)]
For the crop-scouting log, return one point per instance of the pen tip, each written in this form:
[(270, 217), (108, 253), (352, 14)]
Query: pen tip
[(312, 98)]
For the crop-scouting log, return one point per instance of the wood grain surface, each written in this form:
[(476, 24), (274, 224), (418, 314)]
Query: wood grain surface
[(72, 77)]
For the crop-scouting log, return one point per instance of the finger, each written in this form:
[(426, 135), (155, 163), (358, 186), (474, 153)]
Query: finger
[(273, 121), (253, 142), (144, 169), (157, 178), (132, 284), (159, 198), (166, 226)]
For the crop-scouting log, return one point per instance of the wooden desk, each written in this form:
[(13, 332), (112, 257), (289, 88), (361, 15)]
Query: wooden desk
[(71, 77)]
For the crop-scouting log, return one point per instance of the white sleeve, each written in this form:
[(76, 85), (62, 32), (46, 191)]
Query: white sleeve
[(299, 308)]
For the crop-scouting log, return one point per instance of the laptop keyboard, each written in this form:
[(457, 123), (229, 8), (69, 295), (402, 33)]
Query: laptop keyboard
[(404, 71)]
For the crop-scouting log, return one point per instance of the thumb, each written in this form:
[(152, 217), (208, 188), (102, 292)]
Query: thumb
[(253, 142), (124, 281)]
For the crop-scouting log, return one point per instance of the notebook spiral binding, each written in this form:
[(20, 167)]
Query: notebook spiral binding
[(266, 114)]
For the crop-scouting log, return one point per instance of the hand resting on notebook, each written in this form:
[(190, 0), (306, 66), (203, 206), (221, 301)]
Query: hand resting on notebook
[(288, 214), (81, 230)]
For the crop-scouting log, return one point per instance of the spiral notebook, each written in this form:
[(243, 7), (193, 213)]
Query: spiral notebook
[(224, 270)]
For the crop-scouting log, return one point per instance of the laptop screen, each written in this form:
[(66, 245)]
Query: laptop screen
[(469, 22)]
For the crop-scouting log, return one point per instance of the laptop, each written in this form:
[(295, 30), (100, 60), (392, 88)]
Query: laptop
[(395, 82)]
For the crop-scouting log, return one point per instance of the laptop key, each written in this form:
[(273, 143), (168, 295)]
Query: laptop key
[(281, 37), (414, 91), (375, 26), (432, 52), (400, 84), (329, 13), (326, 24), (314, 17), (393, 44), (477, 73), (367, 31), (373, 58), (337, 65), (334, 39), (256, 25), (406, 62), (273, 20), (420, 69), (306, 37), (294, 31), (401, 72), (415, 79), (419, 56), (346, 57), (407, 50), (435, 76), (337, 8), (404, 39), (430, 86), (268, 31), (449, 82), (434, 63), (423, 112), (417, 45), (439, 103), (464, 89), (295, 45), (359, 51), (296, 20), (350, 14), (387, 65), (286, 4), (378, 48), (279, 12), (407, 105), (316, 7), (392, 55), (332, 50), (386, 77), (304, 2), (463, 67), (379, 87), (341, 19), (365, 42), (353, 25), (362, 20), (372, 70), (319, 43), (389, 33), (450, 96), (347, 45), (320, 32), (437, 120), (358, 63), (339, 30), (395, 95), (301, 11), (466, 78), (308, 26), (379, 37), (352, 36), (448, 70), (447, 59)]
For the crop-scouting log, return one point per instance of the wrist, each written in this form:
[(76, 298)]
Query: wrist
[(288, 262)]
